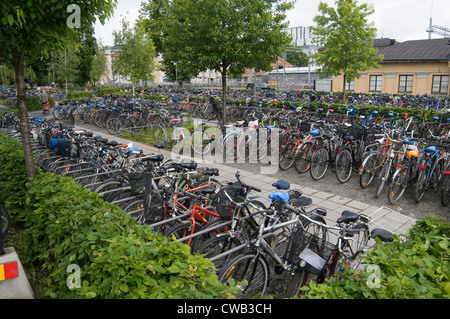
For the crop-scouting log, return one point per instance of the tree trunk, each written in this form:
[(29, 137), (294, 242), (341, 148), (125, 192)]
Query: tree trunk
[(344, 91), (18, 63)]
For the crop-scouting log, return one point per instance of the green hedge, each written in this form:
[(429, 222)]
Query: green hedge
[(415, 268), (67, 225), (79, 95)]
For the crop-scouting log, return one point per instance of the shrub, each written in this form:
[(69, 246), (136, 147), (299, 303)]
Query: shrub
[(418, 268), (33, 103), (79, 95), (67, 225)]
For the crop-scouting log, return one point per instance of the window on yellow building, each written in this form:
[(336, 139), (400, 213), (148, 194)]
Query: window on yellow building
[(350, 86), (405, 84), (375, 83), (440, 84)]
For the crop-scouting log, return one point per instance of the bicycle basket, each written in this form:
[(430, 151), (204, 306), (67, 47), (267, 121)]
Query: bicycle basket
[(315, 251), (137, 180), (222, 204)]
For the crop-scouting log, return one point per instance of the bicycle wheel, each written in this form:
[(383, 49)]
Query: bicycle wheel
[(107, 186), (445, 192), (344, 165), (58, 112), (287, 157), (299, 280), (382, 179), (303, 158), (319, 163), (355, 243), (368, 170), (419, 190), (198, 143), (122, 197), (249, 272), (135, 209), (181, 230), (4, 216), (159, 135), (214, 246), (111, 126), (398, 185)]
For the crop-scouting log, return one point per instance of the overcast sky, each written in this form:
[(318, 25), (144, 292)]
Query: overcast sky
[(397, 19)]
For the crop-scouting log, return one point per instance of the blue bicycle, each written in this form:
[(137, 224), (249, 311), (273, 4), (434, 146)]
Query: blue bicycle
[(431, 168)]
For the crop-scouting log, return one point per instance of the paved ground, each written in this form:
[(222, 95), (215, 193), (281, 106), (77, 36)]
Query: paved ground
[(327, 193)]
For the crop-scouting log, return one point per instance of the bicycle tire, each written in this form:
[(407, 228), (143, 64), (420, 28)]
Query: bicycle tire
[(111, 126), (287, 157), (319, 163), (303, 158), (383, 178), (368, 170), (250, 273), (344, 165), (6, 221), (397, 186), (214, 246), (122, 197), (298, 281), (58, 113), (419, 190), (183, 229), (445, 192)]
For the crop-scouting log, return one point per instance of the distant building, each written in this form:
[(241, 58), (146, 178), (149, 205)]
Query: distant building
[(412, 67)]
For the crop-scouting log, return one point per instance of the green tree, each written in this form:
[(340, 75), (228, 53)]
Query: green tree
[(66, 66), (86, 52), (29, 29), (98, 68), (348, 39), (136, 54), (152, 15), (297, 58), (225, 35)]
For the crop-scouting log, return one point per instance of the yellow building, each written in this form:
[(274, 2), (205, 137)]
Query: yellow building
[(413, 67)]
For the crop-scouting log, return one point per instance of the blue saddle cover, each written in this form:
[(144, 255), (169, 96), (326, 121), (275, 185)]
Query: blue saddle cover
[(431, 149), (281, 185), (279, 195)]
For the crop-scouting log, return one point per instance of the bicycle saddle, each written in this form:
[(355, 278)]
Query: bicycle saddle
[(191, 165), (281, 185), (347, 217), (112, 143), (212, 172), (302, 201), (206, 190), (160, 145), (314, 132), (88, 134), (383, 234), (155, 158), (279, 195), (431, 149)]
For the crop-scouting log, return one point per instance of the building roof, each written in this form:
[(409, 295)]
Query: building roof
[(417, 50)]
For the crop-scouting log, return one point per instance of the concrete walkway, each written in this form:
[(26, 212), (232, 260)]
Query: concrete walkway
[(383, 217)]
